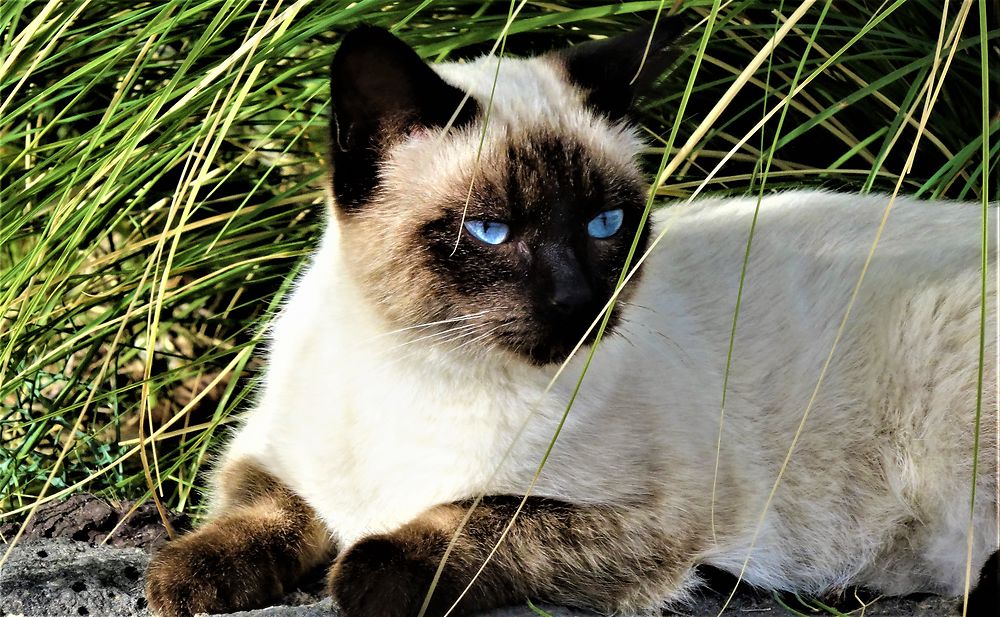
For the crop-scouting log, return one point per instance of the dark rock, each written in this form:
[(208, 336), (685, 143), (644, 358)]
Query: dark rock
[(77, 578), (61, 577), (88, 518), (71, 579)]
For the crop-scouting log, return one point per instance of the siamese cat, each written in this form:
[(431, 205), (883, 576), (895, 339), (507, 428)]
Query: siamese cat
[(475, 235)]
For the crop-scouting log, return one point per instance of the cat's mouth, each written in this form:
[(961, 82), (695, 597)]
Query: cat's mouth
[(550, 354), (555, 342)]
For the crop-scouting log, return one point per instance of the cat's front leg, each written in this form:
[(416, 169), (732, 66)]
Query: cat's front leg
[(600, 557), (263, 539)]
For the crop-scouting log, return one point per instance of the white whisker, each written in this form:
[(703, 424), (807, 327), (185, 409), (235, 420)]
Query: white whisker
[(434, 335), (480, 337), (436, 323)]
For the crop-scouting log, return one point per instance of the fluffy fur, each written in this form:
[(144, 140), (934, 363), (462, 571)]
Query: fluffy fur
[(385, 425)]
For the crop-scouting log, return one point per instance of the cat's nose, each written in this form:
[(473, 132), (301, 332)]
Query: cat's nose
[(569, 290), (569, 297)]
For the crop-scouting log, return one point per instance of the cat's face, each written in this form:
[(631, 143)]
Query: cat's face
[(510, 230)]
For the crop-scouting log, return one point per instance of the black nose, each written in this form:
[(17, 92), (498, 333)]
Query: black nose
[(569, 289), (570, 297)]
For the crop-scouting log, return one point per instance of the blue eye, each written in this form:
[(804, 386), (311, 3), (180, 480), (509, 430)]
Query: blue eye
[(490, 232), (606, 224)]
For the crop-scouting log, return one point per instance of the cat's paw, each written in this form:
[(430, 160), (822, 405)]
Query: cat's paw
[(384, 576), (210, 571)]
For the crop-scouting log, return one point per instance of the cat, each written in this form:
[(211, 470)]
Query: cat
[(410, 371)]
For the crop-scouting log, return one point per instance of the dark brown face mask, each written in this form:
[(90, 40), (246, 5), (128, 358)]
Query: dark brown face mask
[(540, 243)]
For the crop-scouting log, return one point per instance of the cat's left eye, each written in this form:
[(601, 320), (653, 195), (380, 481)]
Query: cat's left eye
[(606, 224)]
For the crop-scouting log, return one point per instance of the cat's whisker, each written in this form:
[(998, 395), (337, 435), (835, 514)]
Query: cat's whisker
[(431, 341), (473, 332), (434, 335), (625, 303), (478, 338), (439, 322), (496, 326)]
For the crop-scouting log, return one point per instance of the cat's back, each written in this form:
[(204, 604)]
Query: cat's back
[(808, 251), (897, 357), (830, 226), (810, 281)]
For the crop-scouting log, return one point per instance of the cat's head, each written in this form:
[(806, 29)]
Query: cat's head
[(503, 212)]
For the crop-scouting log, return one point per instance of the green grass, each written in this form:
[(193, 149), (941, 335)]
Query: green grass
[(162, 169)]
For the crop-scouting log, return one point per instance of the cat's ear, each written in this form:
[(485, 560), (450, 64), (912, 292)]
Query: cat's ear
[(380, 91), (613, 71)]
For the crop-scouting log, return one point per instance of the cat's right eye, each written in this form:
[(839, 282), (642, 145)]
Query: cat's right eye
[(606, 224), (490, 232)]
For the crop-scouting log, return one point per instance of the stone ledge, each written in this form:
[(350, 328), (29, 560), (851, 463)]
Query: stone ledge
[(66, 578)]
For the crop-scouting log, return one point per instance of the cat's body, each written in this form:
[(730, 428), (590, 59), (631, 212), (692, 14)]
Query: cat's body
[(374, 417), (373, 429)]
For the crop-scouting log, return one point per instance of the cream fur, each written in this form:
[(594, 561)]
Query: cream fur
[(372, 427)]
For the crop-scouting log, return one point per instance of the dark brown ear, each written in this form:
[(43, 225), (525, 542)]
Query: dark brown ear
[(380, 89), (615, 70)]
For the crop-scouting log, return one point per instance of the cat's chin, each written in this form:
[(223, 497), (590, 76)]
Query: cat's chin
[(543, 345), (552, 350), (542, 356)]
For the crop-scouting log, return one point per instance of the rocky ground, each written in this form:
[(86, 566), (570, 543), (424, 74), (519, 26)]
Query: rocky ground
[(60, 568)]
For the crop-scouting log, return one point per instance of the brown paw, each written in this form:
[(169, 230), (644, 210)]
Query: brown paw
[(211, 571), (389, 577)]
